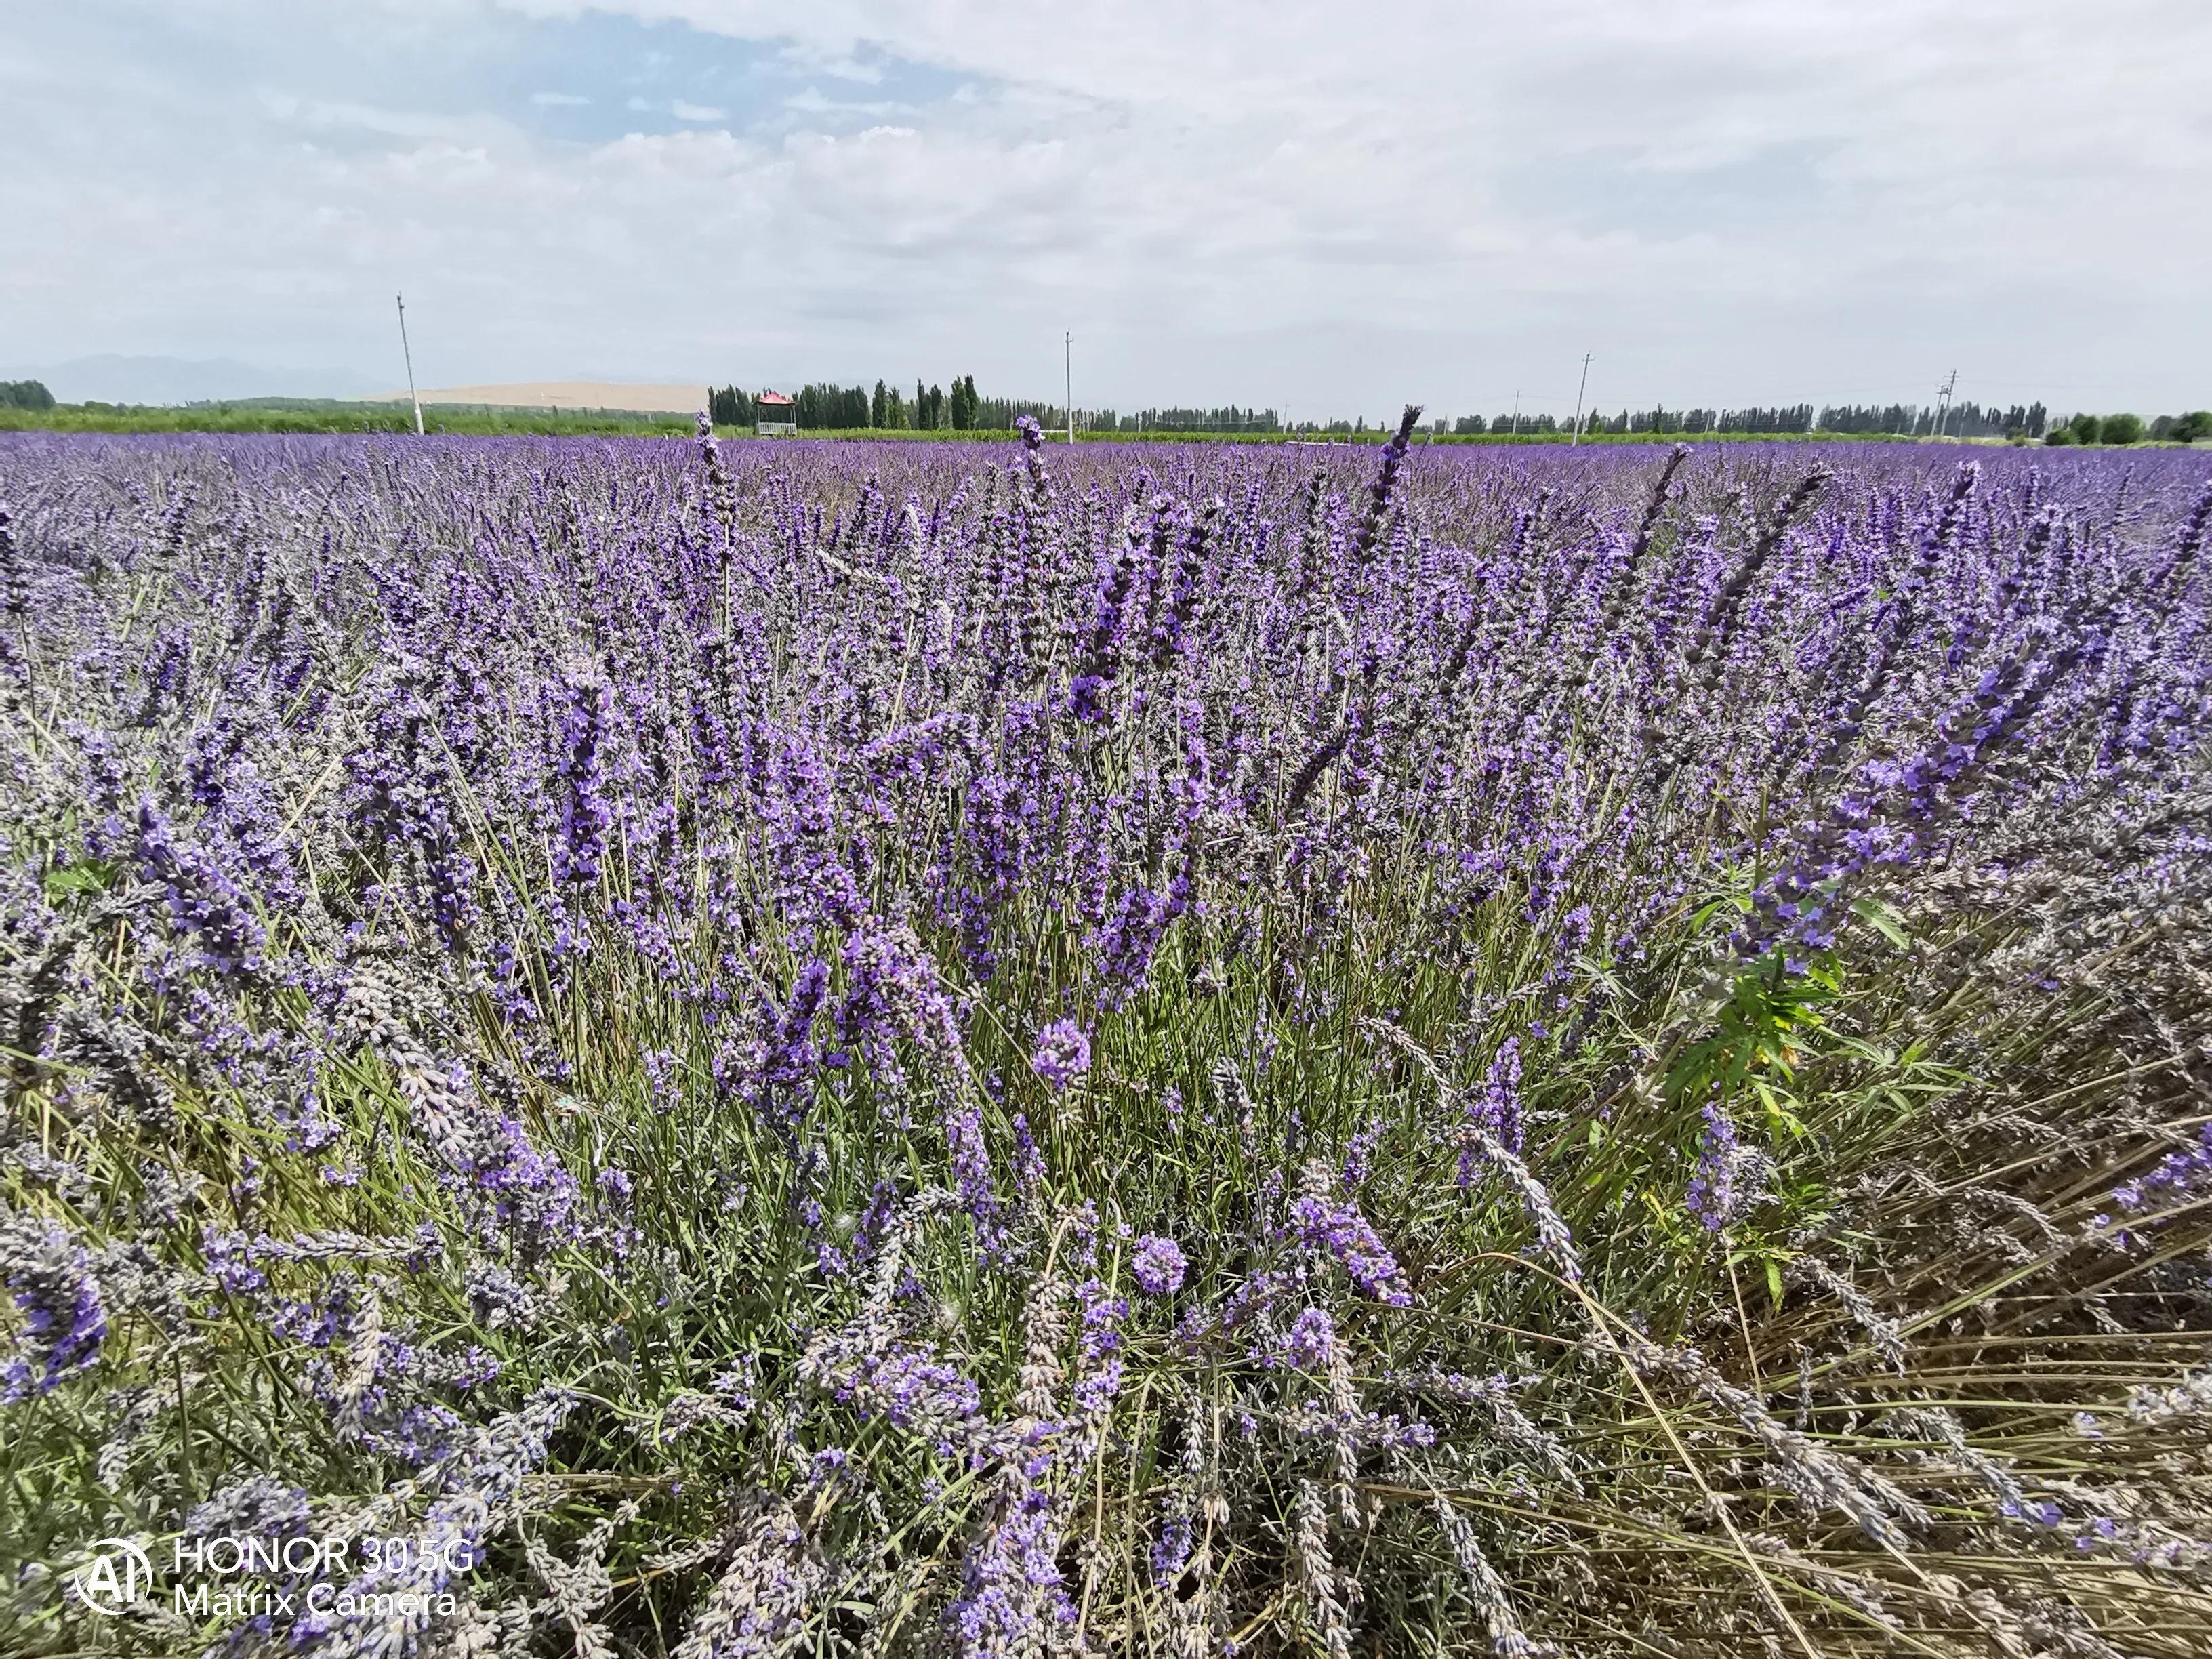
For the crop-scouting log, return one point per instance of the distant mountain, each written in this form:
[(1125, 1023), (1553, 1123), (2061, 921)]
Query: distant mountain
[(111, 379)]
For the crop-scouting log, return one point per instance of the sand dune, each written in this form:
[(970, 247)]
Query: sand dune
[(569, 394)]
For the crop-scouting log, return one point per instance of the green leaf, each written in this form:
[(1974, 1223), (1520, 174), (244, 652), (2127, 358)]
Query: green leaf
[(1713, 907), (1885, 919), (1780, 1119), (87, 878)]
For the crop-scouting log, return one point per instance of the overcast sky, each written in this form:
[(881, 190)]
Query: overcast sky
[(1327, 207)]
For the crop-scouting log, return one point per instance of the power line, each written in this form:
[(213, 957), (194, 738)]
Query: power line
[(1576, 436)]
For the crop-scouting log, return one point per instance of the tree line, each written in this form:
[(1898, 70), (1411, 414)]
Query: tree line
[(2192, 427), (25, 394), (826, 406), (1964, 419)]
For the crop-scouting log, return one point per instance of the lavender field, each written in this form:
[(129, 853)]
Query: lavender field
[(816, 1048)]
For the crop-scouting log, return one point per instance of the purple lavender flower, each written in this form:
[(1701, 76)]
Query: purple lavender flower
[(1010, 1585), (1158, 1265), (533, 1196), (1171, 1550), (1063, 1054), (893, 990), (2175, 1175), (1127, 943), (1335, 1227), (260, 1504), (1312, 1340), (1100, 1316), (913, 1387), (205, 900), (585, 814), (64, 1320), (14, 579), (1497, 1110), (1730, 1178), (971, 1158)]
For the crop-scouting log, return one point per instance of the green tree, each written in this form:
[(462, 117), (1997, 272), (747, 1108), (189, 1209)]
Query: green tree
[(2121, 429), (964, 403), (2194, 426), (2085, 428), (727, 405), (879, 407), (2061, 436), (25, 394)]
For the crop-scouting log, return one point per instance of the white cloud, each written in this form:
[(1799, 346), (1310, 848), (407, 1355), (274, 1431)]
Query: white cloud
[(559, 99), (1257, 200), (812, 100)]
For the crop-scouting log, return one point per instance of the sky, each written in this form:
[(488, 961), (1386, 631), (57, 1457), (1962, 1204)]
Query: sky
[(1329, 209)]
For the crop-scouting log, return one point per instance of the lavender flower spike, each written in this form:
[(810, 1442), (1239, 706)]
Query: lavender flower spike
[(1063, 1054), (64, 1321), (1158, 1265)]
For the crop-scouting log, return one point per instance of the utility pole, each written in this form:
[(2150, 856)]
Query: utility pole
[(1576, 436), (1516, 414), (412, 394), (1943, 401), (1068, 372)]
